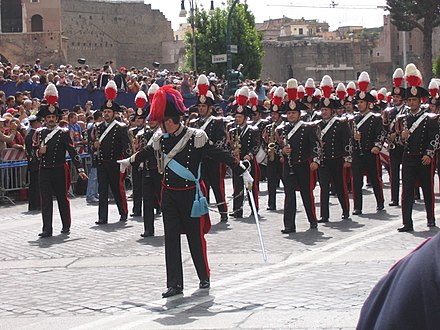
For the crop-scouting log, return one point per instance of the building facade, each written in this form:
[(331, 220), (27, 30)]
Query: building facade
[(60, 31)]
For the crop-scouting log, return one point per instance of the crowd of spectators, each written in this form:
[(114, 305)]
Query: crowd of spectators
[(16, 109)]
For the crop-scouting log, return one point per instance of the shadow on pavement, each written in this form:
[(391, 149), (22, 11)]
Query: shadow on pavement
[(156, 241), (221, 226), (54, 240), (429, 232), (379, 215), (343, 225), (308, 237), (111, 227)]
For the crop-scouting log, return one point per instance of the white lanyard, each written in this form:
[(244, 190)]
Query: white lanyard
[(107, 130), (359, 124), (329, 125), (294, 129)]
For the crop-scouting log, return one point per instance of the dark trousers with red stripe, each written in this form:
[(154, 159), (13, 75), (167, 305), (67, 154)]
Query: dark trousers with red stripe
[(299, 178), (213, 176), (274, 173), (109, 175), (176, 210), (34, 191), (370, 164), (136, 179), (151, 191), (413, 171), (396, 155), (53, 181), (331, 171)]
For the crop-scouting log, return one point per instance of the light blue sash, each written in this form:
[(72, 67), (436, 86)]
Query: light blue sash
[(200, 205)]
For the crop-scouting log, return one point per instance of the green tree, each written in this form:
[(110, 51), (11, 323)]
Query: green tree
[(423, 15), (210, 38), (436, 68)]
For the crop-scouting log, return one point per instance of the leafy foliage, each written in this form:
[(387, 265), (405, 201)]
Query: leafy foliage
[(210, 39), (436, 68), (422, 14)]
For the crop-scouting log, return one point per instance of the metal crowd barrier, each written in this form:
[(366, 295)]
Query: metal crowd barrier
[(14, 174)]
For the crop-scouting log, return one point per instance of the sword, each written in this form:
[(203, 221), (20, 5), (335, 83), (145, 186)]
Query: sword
[(257, 220)]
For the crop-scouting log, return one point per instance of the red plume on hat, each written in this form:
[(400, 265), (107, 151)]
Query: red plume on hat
[(382, 94), (166, 98), (373, 93), (51, 94), (389, 97), (310, 87), (272, 91), (433, 88), (278, 96), (292, 89), (243, 96), (202, 84), (153, 89), (326, 86), (340, 91), (317, 94), (111, 91), (351, 88), (253, 99), (398, 77), (140, 100), (301, 92), (413, 76), (363, 81)]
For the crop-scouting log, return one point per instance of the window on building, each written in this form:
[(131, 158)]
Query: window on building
[(377, 54), (36, 23), (36, 1), (410, 47), (410, 34), (300, 31), (11, 16)]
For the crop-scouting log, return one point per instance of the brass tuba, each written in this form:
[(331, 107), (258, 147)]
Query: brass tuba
[(271, 143)]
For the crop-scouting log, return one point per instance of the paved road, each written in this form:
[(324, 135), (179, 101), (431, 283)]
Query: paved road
[(110, 278)]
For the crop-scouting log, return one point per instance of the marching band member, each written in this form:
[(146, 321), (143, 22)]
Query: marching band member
[(274, 166), (368, 137), (301, 154), (420, 138), (336, 151)]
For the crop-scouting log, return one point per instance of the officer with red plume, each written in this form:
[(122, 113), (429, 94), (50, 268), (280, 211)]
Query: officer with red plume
[(349, 99), (259, 121), (179, 152), (151, 178), (112, 143), (420, 139), (274, 166), (390, 117), (335, 138), (135, 133), (50, 144), (301, 156), (244, 141), (368, 138), (213, 172)]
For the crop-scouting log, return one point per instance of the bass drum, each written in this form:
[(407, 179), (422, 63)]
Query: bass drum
[(261, 156)]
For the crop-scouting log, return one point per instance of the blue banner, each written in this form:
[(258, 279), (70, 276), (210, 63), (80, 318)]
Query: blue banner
[(71, 96)]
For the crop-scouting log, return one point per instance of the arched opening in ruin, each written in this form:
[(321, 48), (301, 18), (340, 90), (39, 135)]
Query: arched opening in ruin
[(37, 23)]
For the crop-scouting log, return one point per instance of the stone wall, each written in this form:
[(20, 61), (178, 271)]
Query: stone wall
[(341, 60), (22, 48), (129, 33)]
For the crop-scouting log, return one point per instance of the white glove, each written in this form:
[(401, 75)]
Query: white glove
[(123, 164), (248, 179)]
